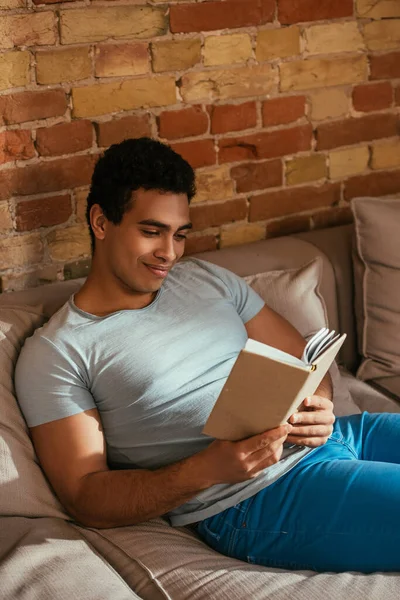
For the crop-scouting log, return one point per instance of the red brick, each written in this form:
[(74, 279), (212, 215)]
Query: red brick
[(233, 117), (258, 176), (49, 176), (43, 212), (266, 144), (213, 215), (373, 96), (283, 110), (117, 130), (354, 131), (16, 145), (341, 215), (174, 124), (65, 138), (29, 106), (198, 154), (297, 11), (397, 96), (385, 66), (50, 1), (293, 200), (381, 183), (208, 16), (288, 226), (202, 243)]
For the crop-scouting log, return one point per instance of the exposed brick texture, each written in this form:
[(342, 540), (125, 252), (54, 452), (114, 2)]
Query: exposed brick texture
[(385, 66), (286, 109), (207, 16), (198, 154), (233, 117), (266, 144), (188, 122), (29, 106), (16, 145), (32, 214), (383, 183), (117, 130), (65, 138), (283, 110), (294, 200), (354, 131), (296, 11), (374, 96), (257, 176)]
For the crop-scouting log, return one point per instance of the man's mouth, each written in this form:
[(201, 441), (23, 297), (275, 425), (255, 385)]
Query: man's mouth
[(158, 271)]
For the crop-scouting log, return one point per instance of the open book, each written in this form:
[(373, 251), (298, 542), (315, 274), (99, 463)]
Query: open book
[(266, 386)]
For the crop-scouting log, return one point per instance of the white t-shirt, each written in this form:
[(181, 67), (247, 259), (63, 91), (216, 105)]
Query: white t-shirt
[(153, 373)]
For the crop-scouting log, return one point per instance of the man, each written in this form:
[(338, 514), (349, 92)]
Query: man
[(117, 386)]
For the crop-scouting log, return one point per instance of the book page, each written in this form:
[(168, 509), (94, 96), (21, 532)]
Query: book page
[(270, 352)]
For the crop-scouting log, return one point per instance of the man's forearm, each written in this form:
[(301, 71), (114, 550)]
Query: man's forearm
[(127, 497), (325, 388)]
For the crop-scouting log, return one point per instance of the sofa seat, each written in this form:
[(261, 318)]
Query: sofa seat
[(46, 558), (387, 385)]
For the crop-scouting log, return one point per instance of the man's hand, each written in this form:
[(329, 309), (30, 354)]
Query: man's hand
[(313, 424), (234, 462)]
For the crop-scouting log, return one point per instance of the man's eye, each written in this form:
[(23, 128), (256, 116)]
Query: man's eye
[(180, 237), (147, 232)]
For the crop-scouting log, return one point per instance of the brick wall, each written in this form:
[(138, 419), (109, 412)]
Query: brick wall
[(286, 108)]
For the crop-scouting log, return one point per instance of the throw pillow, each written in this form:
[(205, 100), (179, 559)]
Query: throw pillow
[(294, 294), (376, 259), (25, 491)]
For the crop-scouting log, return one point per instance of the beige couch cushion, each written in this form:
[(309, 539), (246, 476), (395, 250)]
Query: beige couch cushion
[(180, 566), (377, 285), (295, 295), (47, 559), (24, 489)]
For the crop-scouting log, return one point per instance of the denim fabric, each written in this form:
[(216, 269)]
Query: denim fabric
[(337, 510)]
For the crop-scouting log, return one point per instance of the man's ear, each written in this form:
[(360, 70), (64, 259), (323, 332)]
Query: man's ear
[(98, 222)]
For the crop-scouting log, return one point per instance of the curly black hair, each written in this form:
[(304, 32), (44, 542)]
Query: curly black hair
[(131, 165)]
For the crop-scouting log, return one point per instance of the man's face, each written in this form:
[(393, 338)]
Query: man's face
[(140, 251)]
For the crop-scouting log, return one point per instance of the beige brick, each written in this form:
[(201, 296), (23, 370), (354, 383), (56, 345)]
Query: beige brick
[(67, 64), (225, 84), (175, 55), (322, 72), (327, 104), (213, 184), (81, 201), (306, 168), (14, 69), (378, 9), (69, 243), (227, 49), (23, 281), (386, 155), (96, 24), (5, 217), (351, 161), (278, 43), (115, 97), (235, 235), (118, 60), (20, 250), (382, 35), (34, 29), (13, 4), (335, 37)]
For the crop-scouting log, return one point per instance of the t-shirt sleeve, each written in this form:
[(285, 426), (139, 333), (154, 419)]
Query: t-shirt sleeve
[(246, 301), (48, 385)]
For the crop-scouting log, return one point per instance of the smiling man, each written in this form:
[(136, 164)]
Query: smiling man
[(117, 386)]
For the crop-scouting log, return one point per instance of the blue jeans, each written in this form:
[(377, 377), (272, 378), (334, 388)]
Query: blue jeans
[(337, 510)]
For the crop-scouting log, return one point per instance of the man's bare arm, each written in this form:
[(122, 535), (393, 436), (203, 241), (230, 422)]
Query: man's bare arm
[(73, 455)]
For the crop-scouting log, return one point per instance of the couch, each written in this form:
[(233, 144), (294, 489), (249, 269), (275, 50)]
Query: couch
[(45, 555)]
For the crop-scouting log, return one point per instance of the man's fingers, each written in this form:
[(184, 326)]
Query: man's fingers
[(310, 442), (258, 442), (310, 431), (318, 402), (313, 417)]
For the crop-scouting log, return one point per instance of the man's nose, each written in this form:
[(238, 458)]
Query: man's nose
[(166, 249)]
